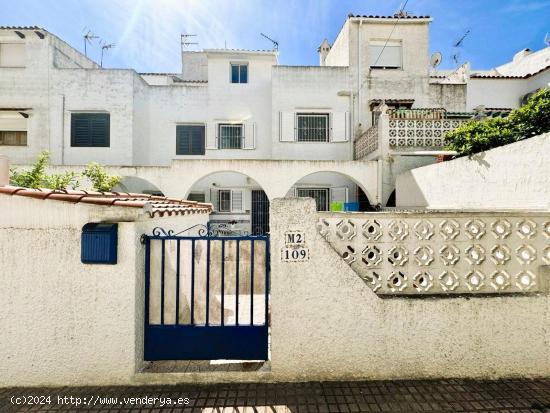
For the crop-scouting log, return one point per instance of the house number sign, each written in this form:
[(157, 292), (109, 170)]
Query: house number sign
[(295, 249)]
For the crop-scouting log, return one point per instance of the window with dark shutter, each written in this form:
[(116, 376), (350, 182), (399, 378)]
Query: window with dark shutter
[(90, 129), (190, 140)]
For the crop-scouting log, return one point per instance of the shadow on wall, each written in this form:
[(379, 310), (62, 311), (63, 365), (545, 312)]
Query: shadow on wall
[(408, 193)]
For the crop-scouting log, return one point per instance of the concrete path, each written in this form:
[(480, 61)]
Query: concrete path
[(373, 396)]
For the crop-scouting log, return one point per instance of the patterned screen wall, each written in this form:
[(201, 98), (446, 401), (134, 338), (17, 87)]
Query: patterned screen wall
[(437, 253)]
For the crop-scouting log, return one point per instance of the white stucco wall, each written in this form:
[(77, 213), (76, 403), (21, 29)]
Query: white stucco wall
[(511, 176), (327, 324), (503, 93), (310, 89), (64, 322)]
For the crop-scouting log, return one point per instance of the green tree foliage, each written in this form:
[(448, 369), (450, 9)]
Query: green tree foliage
[(480, 135), (101, 180), (37, 177)]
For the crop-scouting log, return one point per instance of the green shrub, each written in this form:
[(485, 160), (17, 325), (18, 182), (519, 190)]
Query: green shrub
[(36, 176), (101, 180), (480, 135)]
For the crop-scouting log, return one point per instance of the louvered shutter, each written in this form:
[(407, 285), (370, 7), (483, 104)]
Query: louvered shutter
[(90, 129), (214, 199), (249, 135), (287, 129), (212, 137), (339, 127), (237, 201)]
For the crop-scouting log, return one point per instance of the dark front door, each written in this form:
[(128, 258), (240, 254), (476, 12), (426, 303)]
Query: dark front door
[(260, 213)]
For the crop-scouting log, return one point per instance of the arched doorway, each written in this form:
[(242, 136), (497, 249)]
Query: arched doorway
[(240, 205), (332, 191)]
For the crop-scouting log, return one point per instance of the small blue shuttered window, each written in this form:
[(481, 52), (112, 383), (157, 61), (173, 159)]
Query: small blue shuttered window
[(189, 139), (90, 129)]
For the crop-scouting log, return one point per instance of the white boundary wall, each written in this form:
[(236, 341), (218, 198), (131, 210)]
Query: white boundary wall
[(511, 176), (327, 323), (64, 322)]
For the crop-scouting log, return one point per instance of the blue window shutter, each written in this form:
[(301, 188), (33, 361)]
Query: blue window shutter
[(190, 139), (90, 129)]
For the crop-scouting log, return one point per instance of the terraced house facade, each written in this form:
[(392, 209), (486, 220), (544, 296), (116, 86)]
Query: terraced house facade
[(237, 129)]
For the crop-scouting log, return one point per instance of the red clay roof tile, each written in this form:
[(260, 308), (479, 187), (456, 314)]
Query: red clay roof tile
[(152, 204)]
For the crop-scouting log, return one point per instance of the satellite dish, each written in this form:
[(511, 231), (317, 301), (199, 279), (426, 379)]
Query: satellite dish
[(436, 59), (547, 40)]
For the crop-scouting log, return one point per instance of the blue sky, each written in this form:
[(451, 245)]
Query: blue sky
[(146, 32)]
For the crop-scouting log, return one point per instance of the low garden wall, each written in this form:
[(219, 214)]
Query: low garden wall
[(330, 321)]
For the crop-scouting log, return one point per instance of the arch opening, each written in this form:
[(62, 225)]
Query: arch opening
[(137, 185), (240, 204), (332, 191)]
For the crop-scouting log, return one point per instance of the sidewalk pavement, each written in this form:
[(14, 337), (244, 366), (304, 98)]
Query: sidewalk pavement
[(357, 396)]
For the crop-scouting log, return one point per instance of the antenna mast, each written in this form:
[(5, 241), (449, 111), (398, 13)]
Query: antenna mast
[(104, 47), (88, 36), (457, 44), (275, 42), (186, 41)]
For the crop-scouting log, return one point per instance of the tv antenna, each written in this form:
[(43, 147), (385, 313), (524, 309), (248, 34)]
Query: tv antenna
[(459, 43), (88, 36), (186, 41), (104, 47), (275, 42), (436, 59)]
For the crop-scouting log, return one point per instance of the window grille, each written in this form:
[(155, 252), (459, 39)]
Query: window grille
[(230, 136), (224, 201), (239, 73), (321, 196), (313, 127)]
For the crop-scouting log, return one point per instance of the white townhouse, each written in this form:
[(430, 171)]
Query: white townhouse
[(236, 128)]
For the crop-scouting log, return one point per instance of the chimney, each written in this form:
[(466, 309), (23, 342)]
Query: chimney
[(4, 170), (323, 52)]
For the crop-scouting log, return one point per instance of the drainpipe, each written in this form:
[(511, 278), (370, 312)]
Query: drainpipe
[(62, 129), (359, 71), (4, 170), (379, 194)]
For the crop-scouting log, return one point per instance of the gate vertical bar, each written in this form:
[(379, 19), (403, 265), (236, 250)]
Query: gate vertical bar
[(207, 280), (267, 258), (147, 275), (223, 281), (162, 282), (178, 282), (192, 281), (237, 284), (252, 282)]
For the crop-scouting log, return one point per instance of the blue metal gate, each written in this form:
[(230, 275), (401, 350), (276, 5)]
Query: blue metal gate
[(206, 297)]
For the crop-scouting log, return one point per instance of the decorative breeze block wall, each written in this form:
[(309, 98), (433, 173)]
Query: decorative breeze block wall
[(442, 253)]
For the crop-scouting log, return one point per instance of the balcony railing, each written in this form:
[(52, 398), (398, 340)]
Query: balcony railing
[(406, 129), (366, 143), (425, 133)]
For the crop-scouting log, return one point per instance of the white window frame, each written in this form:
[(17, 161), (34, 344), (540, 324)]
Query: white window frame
[(325, 115), (237, 63), (229, 125), (230, 201), (387, 43)]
